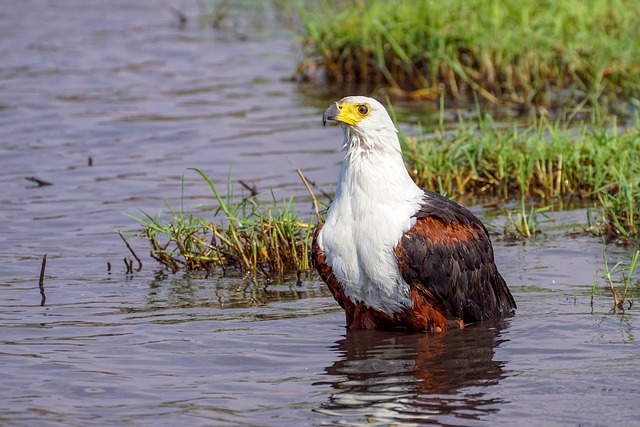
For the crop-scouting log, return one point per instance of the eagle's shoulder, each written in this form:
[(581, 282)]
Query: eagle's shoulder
[(446, 210), (448, 255)]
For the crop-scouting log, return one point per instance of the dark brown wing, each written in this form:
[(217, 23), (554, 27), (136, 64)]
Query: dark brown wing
[(448, 254)]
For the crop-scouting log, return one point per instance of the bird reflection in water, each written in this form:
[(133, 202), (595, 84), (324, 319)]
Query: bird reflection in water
[(387, 377)]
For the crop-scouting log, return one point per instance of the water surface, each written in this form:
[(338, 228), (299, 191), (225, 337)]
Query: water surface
[(111, 102)]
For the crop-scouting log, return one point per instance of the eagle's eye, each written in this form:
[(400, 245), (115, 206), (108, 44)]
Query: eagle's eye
[(363, 109)]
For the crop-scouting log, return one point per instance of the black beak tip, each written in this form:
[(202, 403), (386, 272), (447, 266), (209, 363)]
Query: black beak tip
[(329, 114)]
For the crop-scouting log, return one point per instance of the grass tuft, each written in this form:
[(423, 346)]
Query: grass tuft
[(252, 236), (524, 224), (622, 293)]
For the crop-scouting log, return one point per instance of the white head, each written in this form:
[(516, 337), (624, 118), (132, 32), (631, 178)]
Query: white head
[(366, 124)]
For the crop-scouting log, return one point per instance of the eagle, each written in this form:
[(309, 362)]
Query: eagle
[(394, 255)]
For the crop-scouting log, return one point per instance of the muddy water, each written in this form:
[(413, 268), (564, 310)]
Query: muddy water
[(111, 102)]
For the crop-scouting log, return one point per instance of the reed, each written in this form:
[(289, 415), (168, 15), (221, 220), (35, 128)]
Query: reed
[(524, 52)]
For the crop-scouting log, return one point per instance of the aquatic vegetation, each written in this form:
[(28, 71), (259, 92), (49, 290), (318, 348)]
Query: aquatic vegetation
[(252, 236), (620, 203), (524, 223), (526, 52), (548, 160), (623, 270)]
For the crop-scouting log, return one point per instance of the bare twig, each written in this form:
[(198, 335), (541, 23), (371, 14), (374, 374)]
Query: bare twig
[(131, 250), (43, 298), (324, 193), (252, 188), (38, 182), (313, 196), (129, 265)]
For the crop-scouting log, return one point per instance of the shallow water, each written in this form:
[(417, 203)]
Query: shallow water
[(145, 99)]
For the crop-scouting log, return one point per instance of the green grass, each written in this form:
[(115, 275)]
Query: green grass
[(523, 223), (524, 52), (548, 160), (619, 278), (253, 237)]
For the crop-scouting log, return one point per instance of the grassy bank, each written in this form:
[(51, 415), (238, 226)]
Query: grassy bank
[(548, 160), (544, 53)]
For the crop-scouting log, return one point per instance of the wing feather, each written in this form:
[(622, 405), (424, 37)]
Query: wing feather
[(448, 255)]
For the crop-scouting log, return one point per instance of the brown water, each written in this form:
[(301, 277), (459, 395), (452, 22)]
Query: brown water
[(121, 83)]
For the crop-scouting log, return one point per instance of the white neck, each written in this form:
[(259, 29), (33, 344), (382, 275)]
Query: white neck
[(374, 204)]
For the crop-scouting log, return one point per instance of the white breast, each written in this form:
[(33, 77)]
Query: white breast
[(374, 204)]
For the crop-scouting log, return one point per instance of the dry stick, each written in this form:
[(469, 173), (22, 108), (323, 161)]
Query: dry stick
[(41, 281), (313, 196), (252, 188), (131, 250), (37, 181), (129, 265)]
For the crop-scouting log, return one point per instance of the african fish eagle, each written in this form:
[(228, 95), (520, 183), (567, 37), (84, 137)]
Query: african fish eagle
[(395, 255)]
